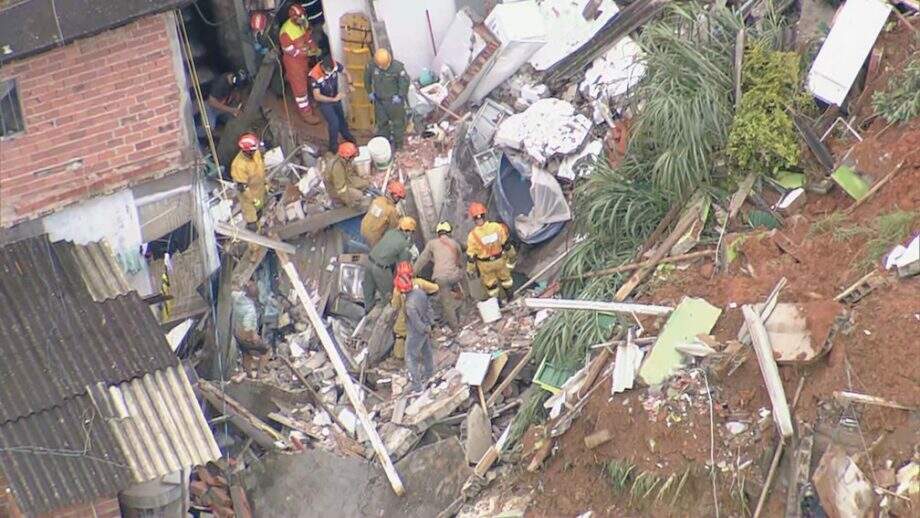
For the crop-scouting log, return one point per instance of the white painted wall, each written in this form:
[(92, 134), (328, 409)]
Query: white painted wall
[(407, 28)]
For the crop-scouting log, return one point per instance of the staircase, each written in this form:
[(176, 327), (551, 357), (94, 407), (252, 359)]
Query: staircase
[(461, 84)]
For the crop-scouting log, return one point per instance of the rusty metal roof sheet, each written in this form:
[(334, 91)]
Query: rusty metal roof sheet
[(55, 340), (60, 457), (158, 423), (97, 267)]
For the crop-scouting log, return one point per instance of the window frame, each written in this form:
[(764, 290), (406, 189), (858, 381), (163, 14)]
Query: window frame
[(9, 90)]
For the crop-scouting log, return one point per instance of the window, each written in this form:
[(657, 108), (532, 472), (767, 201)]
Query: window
[(11, 121)]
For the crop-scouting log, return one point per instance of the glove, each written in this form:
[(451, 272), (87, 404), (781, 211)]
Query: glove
[(397, 99), (372, 97)]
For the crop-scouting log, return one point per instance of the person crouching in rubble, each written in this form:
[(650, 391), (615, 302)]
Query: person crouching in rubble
[(393, 248), (489, 253), (245, 316), (343, 183), (447, 256), (381, 215), (248, 171), (419, 317), (398, 301)]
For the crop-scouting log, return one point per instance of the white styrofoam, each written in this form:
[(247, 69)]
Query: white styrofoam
[(856, 27)]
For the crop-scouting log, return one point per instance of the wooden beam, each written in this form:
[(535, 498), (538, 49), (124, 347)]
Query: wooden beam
[(853, 397), (251, 237), (350, 389), (316, 222), (683, 225), (612, 307), (643, 264), (263, 435), (535, 277), (769, 370), (509, 378), (739, 58), (881, 183)]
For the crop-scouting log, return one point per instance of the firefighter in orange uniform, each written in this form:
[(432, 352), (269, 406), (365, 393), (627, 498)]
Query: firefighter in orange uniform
[(490, 253), (297, 47)]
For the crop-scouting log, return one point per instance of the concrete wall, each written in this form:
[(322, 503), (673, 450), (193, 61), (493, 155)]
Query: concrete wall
[(407, 27)]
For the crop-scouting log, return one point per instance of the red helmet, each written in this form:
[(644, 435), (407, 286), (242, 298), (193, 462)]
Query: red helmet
[(348, 150), (402, 283), (396, 189), (296, 11), (248, 142), (404, 268), (477, 209), (258, 21)]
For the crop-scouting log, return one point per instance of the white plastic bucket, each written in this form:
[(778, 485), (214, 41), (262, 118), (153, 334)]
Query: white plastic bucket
[(363, 161), (488, 310), (380, 150)]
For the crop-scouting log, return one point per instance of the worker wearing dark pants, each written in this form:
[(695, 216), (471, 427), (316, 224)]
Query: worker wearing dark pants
[(419, 318), (392, 248), (388, 85), (324, 79)]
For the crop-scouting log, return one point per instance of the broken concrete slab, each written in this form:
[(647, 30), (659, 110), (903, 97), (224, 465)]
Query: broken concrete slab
[(478, 434), (430, 408), (350, 487), (842, 487), (690, 318), (473, 367), (550, 127), (799, 332)]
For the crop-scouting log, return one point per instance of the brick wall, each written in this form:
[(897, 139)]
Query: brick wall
[(100, 113)]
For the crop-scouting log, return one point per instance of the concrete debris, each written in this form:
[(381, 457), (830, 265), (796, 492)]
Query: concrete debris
[(567, 29), (548, 128), (843, 489), (613, 74), (478, 434), (905, 258), (582, 164), (799, 332), (625, 366)]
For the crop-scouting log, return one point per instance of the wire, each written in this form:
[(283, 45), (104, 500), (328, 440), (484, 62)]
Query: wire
[(209, 22)]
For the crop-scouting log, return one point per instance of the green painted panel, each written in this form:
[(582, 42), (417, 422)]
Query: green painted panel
[(690, 318)]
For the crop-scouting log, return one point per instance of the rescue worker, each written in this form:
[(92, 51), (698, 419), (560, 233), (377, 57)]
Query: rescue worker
[(398, 301), (343, 183), (324, 82), (388, 85), (245, 318), (381, 215), (223, 102), (489, 253), (447, 255), (297, 47), (258, 23), (419, 317), (248, 171), (392, 248)]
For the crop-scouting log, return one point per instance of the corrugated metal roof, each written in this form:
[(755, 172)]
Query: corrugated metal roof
[(98, 268), (158, 423), (60, 457), (55, 341)]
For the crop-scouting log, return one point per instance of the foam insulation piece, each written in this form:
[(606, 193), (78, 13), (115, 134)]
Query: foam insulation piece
[(548, 128)]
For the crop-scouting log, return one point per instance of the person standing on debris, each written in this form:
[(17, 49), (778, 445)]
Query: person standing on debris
[(398, 301), (392, 248), (248, 171), (245, 317), (419, 317), (489, 253), (381, 215), (324, 79), (297, 47), (448, 271), (388, 85), (343, 183)]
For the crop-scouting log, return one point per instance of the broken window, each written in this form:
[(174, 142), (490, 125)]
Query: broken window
[(11, 121)]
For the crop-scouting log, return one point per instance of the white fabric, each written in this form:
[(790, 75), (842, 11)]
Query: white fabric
[(549, 205)]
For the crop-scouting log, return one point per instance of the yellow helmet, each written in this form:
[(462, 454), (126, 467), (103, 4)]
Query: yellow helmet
[(444, 227), (407, 223), (382, 58)]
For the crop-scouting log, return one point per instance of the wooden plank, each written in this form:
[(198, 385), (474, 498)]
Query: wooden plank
[(251, 237), (294, 424), (853, 397), (878, 185), (683, 225), (316, 222), (312, 393), (642, 264), (769, 304), (612, 307), (769, 370), (737, 199), (739, 58), (599, 362), (247, 266), (342, 373), (508, 379), (424, 203), (263, 435)]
